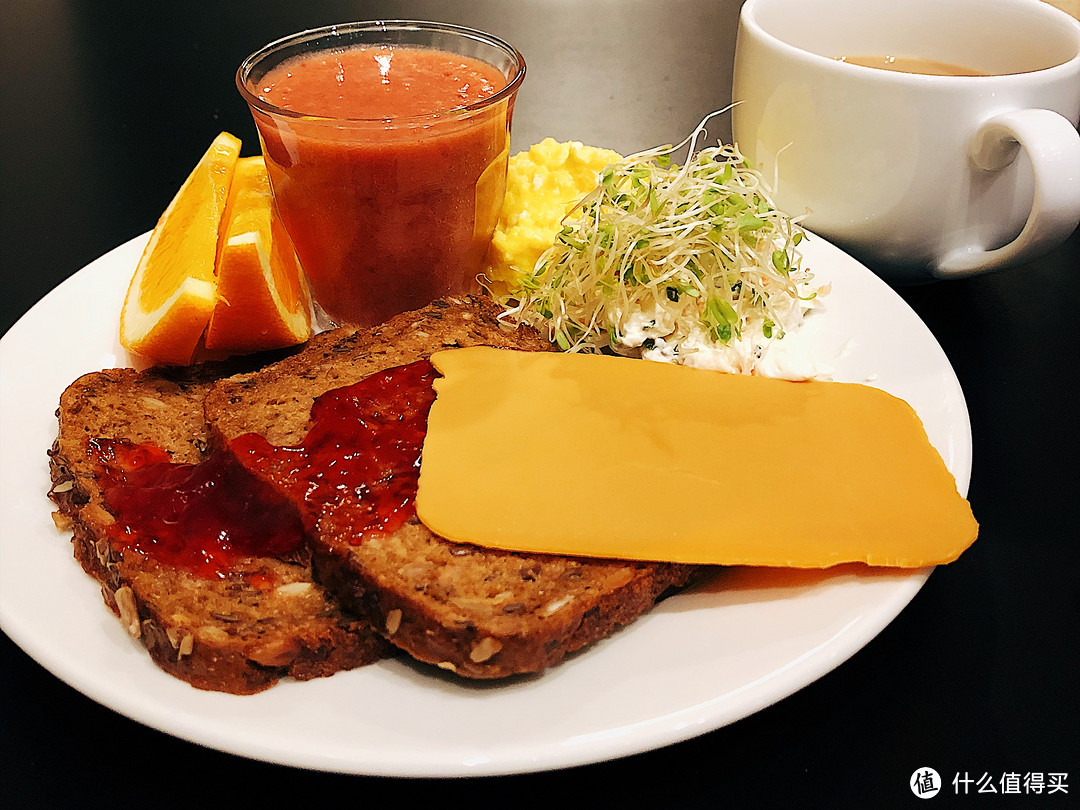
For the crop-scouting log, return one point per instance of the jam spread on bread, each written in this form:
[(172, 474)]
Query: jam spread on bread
[(362, 449), (201, 517), (355, 473)]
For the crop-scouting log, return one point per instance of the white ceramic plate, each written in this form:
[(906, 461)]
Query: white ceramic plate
[(700, 660)]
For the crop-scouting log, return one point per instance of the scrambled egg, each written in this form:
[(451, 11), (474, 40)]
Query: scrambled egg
[(542, 186)]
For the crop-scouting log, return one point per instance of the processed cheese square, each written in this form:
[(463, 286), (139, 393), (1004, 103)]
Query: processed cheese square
[(601, 456)]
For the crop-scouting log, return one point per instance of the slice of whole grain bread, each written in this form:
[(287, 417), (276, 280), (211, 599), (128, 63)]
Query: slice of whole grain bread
[(477, 612), (261, 620)]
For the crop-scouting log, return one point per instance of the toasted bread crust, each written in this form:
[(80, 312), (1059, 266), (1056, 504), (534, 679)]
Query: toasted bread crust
[(485, 613), (226, 635), (478, 612), (276, 401)]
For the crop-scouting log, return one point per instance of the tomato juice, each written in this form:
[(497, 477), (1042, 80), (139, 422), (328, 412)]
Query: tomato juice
[(388, 166)]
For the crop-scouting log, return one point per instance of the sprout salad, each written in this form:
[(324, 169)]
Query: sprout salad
[(688, 264)]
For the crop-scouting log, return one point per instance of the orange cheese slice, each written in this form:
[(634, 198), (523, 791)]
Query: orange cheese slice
[(602, 456)]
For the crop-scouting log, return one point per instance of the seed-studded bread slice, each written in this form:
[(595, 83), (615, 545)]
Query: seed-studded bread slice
[(263, 620), (478, 612)]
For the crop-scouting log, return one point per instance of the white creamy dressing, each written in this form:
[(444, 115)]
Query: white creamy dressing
[(793, 356)]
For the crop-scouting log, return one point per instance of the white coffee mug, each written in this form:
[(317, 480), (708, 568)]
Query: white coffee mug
[(920, 176)]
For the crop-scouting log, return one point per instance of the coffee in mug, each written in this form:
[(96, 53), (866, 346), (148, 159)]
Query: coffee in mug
[(911, 64), (921, 176)]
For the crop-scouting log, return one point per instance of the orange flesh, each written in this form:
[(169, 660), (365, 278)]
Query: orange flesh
[(256, 262), (171, 295), (188, 246)]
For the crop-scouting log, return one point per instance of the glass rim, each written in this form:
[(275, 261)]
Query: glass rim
[(260, 104)]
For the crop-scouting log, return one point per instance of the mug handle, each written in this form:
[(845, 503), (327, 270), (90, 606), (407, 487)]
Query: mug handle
[(1052, 145)]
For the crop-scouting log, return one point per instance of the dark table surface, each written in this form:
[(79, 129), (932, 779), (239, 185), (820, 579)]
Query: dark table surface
[(105, 108)]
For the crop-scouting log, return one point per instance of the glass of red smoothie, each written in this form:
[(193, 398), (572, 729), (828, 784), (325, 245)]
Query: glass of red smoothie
[(387, 145)]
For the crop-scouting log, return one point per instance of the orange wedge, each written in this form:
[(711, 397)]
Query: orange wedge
[(171, 296), (262, 297)]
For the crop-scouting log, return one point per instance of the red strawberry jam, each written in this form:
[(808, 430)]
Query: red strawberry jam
[(202, 517), (355, 473)]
